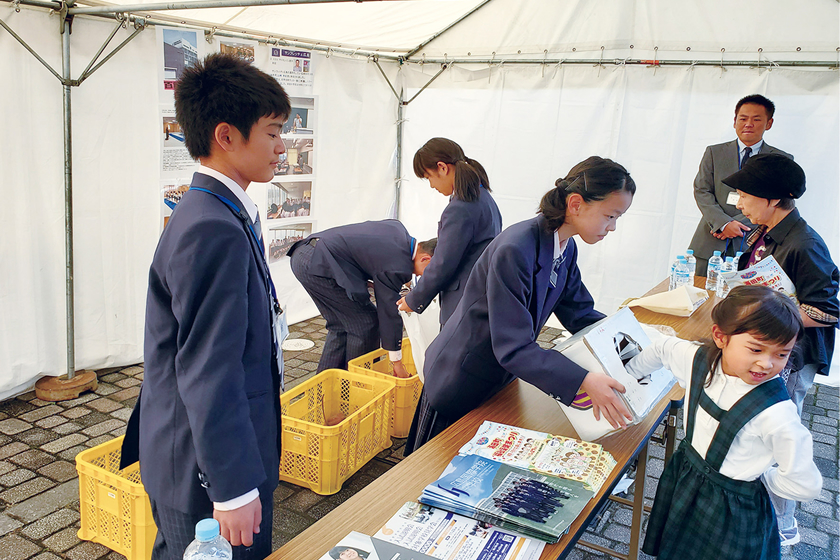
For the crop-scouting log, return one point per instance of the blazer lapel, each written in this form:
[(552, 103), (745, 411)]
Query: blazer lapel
[(545, 257)]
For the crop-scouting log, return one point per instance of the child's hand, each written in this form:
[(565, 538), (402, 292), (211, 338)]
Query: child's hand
[(601, 389)]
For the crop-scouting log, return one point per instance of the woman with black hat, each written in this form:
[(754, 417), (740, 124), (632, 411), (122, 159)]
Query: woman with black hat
[(768, 185)]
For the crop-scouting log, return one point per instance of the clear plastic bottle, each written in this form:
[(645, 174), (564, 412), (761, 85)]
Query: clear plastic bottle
[(722, 285), (208, 543), (682, 277), (713, 271), (692, 263), (671, 284), (738, 259)]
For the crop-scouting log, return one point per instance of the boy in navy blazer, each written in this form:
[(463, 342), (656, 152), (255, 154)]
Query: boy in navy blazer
[(334, 267), (206, 425)]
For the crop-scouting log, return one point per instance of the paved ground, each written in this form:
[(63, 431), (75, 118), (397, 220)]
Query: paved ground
[(39, 494)]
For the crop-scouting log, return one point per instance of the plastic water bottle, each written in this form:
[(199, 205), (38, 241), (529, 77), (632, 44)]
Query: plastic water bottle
[(692, 263), (738, 259), (671, 284), (713, 271), (208, 543), (722, 285), (682, 277)]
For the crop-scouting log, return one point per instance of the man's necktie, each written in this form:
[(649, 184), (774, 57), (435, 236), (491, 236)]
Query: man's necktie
[(747, 152), (258, 226), (555, 266)]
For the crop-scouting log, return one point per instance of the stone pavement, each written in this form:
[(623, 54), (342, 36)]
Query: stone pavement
[(39, 493)]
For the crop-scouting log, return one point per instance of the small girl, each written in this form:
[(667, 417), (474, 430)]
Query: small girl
[(468, 224), (739, 423)]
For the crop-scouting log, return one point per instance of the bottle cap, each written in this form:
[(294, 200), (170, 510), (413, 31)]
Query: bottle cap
[(730, 259), (689, 252), (206, 529), (681, 258), (716, 253)]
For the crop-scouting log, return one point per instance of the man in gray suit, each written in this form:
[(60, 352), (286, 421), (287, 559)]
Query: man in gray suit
[(723, 226)]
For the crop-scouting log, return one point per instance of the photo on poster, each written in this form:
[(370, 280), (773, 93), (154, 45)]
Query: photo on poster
[(298, 158), (173, 137), (301, 117), (289, 199), (180, 51), (282, 237), (171, 193), (243, 50)]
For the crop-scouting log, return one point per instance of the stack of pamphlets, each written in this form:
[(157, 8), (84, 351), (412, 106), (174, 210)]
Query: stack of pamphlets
[(606, 346), (560, 456), (512, 498), (449, 536)]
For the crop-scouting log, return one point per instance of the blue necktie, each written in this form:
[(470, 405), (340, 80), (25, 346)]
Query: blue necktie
[(555, 266), (747, 152)]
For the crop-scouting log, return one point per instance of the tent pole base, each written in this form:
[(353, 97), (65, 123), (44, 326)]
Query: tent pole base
[(62, 389)]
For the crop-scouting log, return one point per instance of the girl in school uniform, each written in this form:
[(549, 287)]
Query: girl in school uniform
[(468, 224), (739, 423), (526, 273)]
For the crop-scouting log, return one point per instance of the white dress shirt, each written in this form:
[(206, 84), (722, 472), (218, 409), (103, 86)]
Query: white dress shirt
[(775, 435)]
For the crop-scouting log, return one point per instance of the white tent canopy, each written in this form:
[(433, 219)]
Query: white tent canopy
[(527, 123)]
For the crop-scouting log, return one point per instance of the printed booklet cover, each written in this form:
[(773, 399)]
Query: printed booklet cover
[(535, 505), (448, 536)]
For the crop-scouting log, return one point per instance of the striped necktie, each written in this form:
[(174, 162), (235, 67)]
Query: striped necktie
[(747, 152)]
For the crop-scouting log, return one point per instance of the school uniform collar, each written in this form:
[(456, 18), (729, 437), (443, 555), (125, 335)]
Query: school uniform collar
[(559, 246), (237, 191)]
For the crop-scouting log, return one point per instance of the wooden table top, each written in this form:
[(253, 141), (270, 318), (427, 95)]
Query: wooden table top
[(519, 404)]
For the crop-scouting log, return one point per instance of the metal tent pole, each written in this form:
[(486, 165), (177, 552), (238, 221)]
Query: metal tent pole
[(198, 4), (68, 197)]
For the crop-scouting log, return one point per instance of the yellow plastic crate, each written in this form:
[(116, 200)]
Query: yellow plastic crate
[(407, 391), (322, 457), (114, 505)]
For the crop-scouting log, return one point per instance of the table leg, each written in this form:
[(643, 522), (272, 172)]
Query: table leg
[(638, 505)]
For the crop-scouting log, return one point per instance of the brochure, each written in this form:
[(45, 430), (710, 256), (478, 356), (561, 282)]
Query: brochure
[(535, 505), (448, 536), (357, 546), (606, 346), (765, 272), (559, 456)]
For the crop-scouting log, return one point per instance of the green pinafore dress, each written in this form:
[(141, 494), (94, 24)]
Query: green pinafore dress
[(700, 514)]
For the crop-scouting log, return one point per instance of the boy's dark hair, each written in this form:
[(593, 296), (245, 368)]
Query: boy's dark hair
[(766, 314), (224, 88), (595, 178), (469, 174), (428, 247), (757, 99)]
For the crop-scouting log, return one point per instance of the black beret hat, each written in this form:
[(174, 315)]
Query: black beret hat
[(770, 176)]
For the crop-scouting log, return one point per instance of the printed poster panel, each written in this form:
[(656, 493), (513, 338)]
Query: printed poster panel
[(298, 159), (301, 118), (292, 68)]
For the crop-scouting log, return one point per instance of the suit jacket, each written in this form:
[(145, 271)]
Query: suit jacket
[(206, 414), (492, 335), (464, 231), (719, 162), (378, 251)]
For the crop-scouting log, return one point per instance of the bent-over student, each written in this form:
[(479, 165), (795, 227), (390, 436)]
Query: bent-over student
[(526, 273), (468, 224), (334, 267)]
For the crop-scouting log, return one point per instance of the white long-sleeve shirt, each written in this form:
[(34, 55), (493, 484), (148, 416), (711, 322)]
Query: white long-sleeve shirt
[(775, 435)]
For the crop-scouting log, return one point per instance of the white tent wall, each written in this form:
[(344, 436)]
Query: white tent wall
[(116, 189), (528, 129)]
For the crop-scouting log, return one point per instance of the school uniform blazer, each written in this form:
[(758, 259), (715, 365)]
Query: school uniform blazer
[(206, 412), (464, 231), (492, 335), (378, 251), (719, 162)]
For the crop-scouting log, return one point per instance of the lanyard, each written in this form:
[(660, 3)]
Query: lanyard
[(257, 245)]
